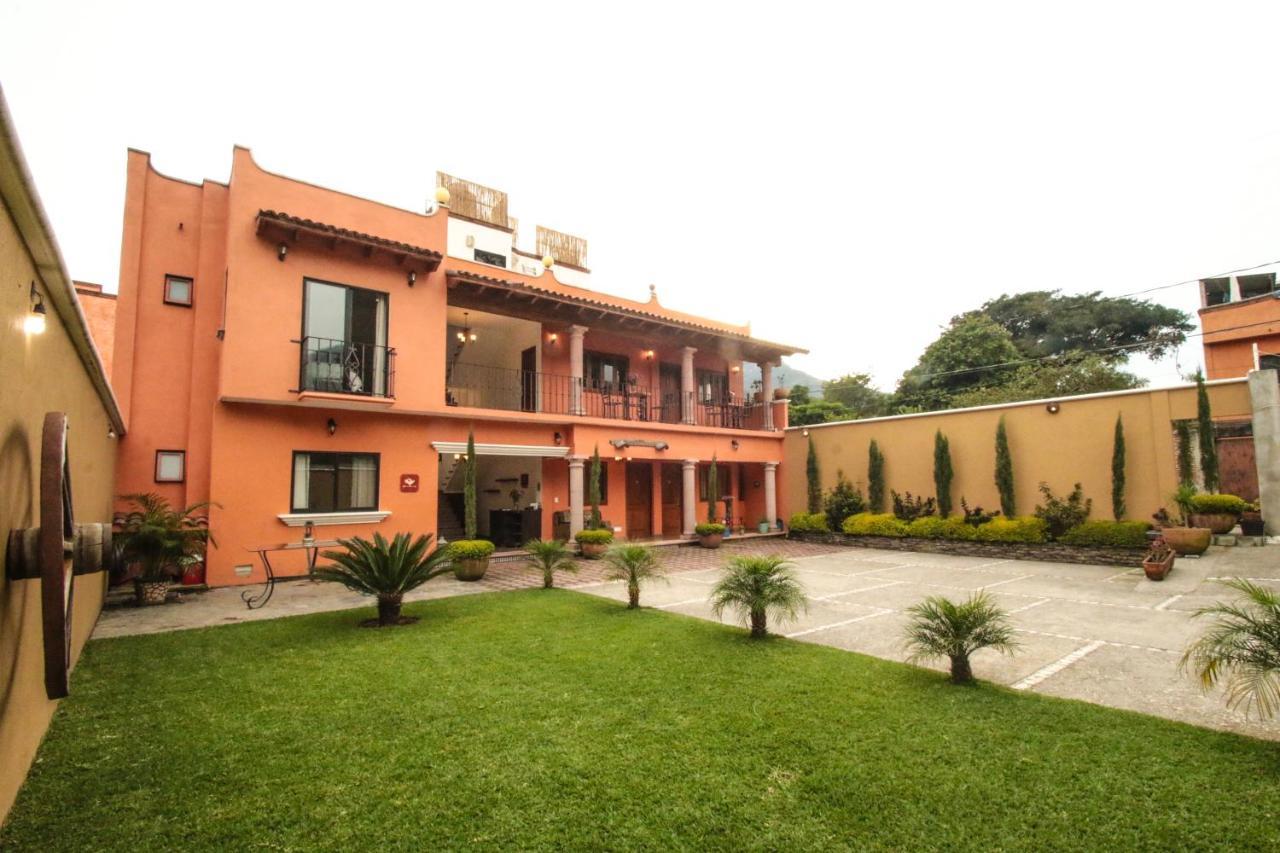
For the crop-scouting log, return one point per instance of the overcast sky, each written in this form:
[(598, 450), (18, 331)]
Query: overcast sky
[(847, 179)]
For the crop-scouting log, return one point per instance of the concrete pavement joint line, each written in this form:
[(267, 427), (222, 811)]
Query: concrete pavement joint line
[(1120, 575), (1029, 606), (1252, 580), (1104, 642), (1165, 604), (1057, 666), (856, 591), (1002, 583), (861, 618), (681, 603)]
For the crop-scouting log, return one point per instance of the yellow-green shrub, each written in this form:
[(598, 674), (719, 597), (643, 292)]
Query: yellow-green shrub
[(933, 527), (1013, 530), (870, 524), (809, 522), (1113, 534)]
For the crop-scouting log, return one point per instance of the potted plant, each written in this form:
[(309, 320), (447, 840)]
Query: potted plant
[(1251, 523), (470, 556), (763, 526), (710, 534), (1184, 540), (781, 393), (1158, 560), (161, 542), (1219, 513), (593, 543)]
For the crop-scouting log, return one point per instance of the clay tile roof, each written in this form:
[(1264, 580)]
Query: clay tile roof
[(347, 234)]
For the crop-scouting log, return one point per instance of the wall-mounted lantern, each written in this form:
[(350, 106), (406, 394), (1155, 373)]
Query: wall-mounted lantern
[(35, 322), (333, 426)]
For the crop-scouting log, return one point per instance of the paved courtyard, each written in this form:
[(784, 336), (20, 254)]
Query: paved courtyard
[(1095, 633)]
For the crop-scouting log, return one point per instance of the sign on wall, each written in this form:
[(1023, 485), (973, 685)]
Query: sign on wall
[(409, 482)]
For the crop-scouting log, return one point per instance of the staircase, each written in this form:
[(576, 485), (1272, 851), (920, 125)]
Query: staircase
[(449, 523)]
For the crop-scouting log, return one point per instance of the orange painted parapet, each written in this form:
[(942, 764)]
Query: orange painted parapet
[(1232, 329)]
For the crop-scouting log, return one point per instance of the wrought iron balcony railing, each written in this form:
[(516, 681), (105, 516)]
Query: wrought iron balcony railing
[(346, 367)]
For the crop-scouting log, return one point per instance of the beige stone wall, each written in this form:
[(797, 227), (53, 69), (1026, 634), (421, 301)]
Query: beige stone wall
[(1072, 445), (41, 373)]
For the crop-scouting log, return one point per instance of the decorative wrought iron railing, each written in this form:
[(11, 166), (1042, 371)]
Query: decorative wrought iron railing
[(485, 387), (346, 367)]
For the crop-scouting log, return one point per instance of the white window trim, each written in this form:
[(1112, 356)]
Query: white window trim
[(320, 519)]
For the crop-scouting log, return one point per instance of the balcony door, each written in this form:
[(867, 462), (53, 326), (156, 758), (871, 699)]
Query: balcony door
[(669, 388), (344, 339)]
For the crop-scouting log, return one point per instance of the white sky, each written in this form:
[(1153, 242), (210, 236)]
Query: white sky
[(847, 177)]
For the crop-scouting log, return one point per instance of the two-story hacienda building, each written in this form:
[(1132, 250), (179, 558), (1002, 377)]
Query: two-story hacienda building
[(292, 354), (1240, 318)]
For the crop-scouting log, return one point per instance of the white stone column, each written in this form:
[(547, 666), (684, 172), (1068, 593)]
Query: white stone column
[(690, 502), (576, 524), (771, 492), (688, 386), (576, 334), (766, 394), (1264, 395)]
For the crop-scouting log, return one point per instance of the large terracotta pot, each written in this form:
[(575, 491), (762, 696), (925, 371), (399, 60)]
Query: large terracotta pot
[(1187, 541), (151, 592), (470, 570), (593, 550), (194, 575), (1218, 522), (1157, 569), (711, 540)]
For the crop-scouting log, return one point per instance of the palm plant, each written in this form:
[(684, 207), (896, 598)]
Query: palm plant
[(386, 570), (160, 539), (634, 564), (1241, 648), (549, 556), (756, 587), (940, 628)]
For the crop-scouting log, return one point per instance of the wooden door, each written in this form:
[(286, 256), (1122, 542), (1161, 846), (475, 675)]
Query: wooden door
[(529, 380), (1238, 467), (669, 390), (639, 500), (672, 500)]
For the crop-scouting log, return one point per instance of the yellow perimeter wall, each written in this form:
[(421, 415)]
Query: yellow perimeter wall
[(1073, 445)]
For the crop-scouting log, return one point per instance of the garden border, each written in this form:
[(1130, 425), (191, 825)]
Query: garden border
[(1052, 552)]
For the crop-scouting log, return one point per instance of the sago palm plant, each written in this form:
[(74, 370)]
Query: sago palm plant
[(941, 628), (757, 587), (634, 564), (385, 569), (549, 556), (1241, 649)]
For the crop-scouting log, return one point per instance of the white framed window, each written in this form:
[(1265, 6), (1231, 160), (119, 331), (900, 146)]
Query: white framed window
[(334, 482), (171, 466), (178, 290)]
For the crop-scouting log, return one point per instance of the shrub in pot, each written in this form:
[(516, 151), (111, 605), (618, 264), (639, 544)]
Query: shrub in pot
[(1217, 512), (1159, 560), (160, 542), (710, 534), (763, 525), (470, 558), (1251, 521), (593, 543), (1185, 540)]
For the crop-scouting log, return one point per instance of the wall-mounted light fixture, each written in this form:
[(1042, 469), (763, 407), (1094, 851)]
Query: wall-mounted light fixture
[(559, 439), (333, 426), (111, 432), (736, 369), (34, 323), (734, 444), (1052, 408), (805, 433), (413, 276), (553, 337), (281, 251), (648, 355)]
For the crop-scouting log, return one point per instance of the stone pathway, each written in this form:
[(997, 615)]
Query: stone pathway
[(1095, 633), (295, 597)]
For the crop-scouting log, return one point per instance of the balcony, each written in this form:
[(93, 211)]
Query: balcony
[(485, 387), (330, 366)]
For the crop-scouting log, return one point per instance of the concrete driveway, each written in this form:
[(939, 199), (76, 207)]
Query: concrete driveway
[(1095, 633)]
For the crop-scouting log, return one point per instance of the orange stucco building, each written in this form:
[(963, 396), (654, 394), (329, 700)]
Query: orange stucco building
[(1240, 318), (293, 353)]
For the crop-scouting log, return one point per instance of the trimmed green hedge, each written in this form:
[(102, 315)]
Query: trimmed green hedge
[(933, 527), (470, 549), (1215, 504), (1028, 529), (1109, 534), (709, 528), (869, 524), (594, 537), (809, 522)]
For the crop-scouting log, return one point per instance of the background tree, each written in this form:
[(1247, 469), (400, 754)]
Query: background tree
[(972, 352), (855, 392), (469, 488), (1208, 442), (942, 472), (818, 412), (814, 478), (713, 490), (595, 522), (800, 395), (1060, 376), (1186, 472), (1117, 471), (875, 477), (1004, 472)]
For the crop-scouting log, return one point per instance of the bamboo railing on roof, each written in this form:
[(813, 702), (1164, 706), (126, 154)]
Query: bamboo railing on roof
[(565, 248), (475, 201)]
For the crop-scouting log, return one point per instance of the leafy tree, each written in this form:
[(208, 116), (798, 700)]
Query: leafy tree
[(757, 586), (1060, 377), (940, 628), (635, 564), (1241, 648), (800, 395), (1047, 322), (1117, 471), (942, 473), (385, 570), (875, 477), (1004, 471), (713, 490), (842, 501), (855, 393), (549, 556), (1208, 442), (595, 521), (469, 488), (1186, 474), (973, 352), (818, 412), (814, 478)]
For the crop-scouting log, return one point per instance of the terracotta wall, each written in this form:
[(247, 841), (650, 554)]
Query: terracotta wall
[(1230, 331), (1073, 445), (100, 311)]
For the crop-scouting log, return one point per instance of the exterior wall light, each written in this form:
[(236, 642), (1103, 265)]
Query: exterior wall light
[(35, 322), (1052, 408), (805, 433), (282, 251), (734, 444), (413, 276), (553, 337), (559, 439), (648, 355), (333, 426)]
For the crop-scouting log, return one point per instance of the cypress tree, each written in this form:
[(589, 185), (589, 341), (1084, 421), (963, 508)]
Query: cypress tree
[(1004, 472), (1186, 476), (1208, 444), (942, 473), (593, 492), (815, 481), (875, 477), (469, 488), (1117, 472), (713, 490)]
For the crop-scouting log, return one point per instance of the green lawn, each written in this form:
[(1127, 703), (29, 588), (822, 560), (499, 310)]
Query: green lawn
[(543, 719)]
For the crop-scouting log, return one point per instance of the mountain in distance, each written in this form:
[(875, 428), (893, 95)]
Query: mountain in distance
[(783, 377)]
